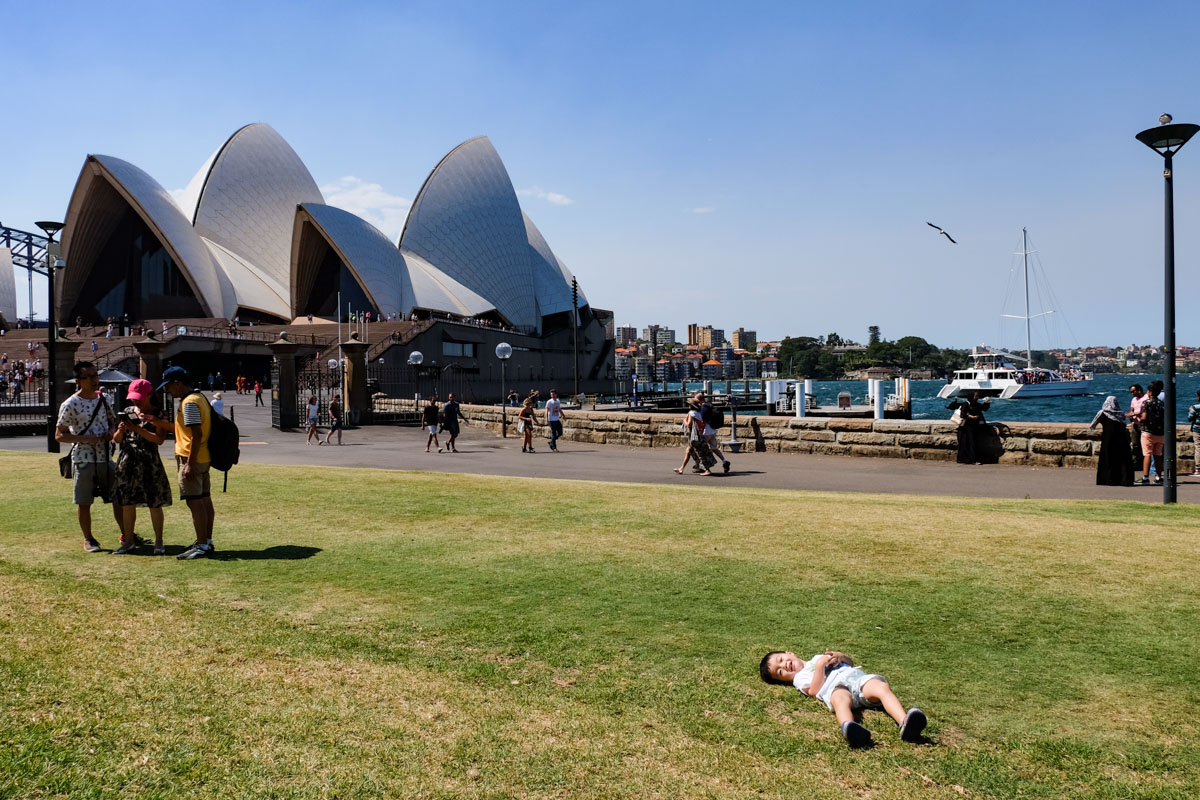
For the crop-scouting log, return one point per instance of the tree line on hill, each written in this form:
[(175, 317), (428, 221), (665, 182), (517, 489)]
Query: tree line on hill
[(825, 358)]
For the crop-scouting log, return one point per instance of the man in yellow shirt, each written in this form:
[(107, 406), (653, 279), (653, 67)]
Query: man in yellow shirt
[(193, 425)]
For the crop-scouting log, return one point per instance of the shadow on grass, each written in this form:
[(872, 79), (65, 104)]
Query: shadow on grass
[(279, 552)]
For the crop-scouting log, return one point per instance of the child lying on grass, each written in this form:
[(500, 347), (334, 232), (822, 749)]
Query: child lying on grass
[(845, 689)]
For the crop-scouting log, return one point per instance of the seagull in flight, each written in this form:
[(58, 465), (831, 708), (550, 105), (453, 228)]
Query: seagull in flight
[(942, 232)]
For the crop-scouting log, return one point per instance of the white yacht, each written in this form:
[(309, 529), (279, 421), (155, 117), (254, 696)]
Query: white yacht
[(993, 373)]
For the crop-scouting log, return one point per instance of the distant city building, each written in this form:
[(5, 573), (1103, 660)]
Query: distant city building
[(713, 370), (693, 335), (625, 335), (661, 336), (708, 337), (744, 339), (750, 368), (622, 366), (770, 367), (641, 365)]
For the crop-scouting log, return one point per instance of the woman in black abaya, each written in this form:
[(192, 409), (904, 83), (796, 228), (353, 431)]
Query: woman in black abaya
[(971, 428), (1115, 464)]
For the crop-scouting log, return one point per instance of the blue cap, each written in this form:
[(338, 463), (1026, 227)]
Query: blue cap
[(174, 374)]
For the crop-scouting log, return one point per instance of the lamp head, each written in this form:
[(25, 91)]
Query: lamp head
[(1169, 136), (503, 350), (50, 228)]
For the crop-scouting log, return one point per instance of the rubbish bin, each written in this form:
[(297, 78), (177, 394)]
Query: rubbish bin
[(843, 399)]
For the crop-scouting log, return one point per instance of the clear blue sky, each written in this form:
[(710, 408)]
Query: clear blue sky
[(766, 165)]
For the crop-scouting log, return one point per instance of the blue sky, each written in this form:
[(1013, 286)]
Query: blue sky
[(769, 166)]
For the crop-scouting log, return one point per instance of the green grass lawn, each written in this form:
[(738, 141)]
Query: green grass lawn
[(375, 634)]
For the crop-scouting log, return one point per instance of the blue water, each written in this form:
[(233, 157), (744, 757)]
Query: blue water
[(927, 405)]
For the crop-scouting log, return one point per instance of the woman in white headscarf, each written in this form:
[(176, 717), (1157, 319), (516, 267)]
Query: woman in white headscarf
[(1114, 467)]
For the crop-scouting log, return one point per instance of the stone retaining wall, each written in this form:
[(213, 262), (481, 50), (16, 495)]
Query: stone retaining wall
[(1043, 444)]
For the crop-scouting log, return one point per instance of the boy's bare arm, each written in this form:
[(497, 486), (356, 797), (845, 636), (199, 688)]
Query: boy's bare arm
[(818, 676)]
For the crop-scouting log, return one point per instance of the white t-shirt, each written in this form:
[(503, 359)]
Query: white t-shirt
[(74, 413), (312, 413), (553, 409)]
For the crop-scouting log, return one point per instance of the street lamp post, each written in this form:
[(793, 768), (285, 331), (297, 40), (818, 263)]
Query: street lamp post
[(503, 352), (414, 360), (1166, 140), (50, 228)]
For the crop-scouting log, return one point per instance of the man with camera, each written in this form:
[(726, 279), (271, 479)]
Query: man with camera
[(86, 422)]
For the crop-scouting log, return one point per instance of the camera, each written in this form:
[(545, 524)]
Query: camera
[(129, 414)]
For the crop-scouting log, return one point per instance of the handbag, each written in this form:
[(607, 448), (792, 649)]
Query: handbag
[(66, 467), (956, 417)]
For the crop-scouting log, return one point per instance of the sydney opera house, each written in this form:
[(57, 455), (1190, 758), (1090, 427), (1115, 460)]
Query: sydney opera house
[(251, 237)]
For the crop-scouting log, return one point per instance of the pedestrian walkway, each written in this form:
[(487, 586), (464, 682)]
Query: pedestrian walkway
[(484, 453)]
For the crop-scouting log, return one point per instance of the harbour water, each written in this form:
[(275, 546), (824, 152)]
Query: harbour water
[(927, 405)]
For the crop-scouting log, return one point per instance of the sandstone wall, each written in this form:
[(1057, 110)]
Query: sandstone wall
[(1044, 444)]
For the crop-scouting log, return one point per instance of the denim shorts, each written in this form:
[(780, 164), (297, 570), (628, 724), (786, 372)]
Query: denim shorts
[(851, 678)]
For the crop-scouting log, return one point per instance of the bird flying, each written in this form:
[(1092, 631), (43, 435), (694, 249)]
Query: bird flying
[(942, 232)]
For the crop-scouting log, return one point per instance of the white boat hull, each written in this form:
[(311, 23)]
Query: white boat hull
[(1011, 390)]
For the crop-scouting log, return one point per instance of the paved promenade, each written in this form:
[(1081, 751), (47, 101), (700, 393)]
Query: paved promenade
[(388, 447)]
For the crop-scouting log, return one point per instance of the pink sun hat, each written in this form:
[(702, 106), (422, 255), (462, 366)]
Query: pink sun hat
[(140, 389)]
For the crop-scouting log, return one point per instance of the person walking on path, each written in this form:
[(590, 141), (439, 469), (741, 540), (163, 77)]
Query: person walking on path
[(710, 430), (258, 401), (141, 479), (1193, 418), (697, 449), (335, 415), (1114, 466), (450, 418), (429, 418), (554, 418), (313, 408), (525, 422), (193, 426), (95, 347), (86, 422)]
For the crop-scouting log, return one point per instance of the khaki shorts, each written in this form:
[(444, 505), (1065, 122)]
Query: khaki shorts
[(196, 485), (93, 480), (1151, 444)]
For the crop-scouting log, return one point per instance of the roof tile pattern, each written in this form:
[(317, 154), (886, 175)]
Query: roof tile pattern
[(370, 254), (466, 221), (551, 280), (248, 203)]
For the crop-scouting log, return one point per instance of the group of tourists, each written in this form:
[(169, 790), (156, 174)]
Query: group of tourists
[(1134, 439), (137, 479), (19, 375)]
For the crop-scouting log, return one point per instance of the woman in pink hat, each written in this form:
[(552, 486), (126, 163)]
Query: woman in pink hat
[(141, 479)]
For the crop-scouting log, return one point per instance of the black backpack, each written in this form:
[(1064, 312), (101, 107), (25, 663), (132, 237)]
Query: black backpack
[(716, 418), (223, 442), (1154, 417)]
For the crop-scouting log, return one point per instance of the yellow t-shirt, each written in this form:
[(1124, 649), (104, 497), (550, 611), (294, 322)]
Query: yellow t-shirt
[(193, 409)]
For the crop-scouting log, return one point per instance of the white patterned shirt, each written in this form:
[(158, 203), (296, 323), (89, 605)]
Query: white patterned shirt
[(74, 414)]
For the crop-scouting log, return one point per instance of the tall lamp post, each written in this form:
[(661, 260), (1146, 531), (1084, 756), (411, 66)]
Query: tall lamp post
[(414, 360), (50, 228), (503, 352), (1166, 140)]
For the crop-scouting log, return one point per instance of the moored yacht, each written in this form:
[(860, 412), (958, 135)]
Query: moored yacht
[(994, 374)]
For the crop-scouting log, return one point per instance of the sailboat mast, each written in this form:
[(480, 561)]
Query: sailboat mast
[(1025, 256)]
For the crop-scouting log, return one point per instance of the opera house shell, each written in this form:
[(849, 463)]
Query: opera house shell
[(251, 236)]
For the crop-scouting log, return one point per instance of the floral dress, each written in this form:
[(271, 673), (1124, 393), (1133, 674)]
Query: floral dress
[(141, 478)]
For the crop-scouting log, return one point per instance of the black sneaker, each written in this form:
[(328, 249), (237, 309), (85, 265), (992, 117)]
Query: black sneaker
[(194, 552), (914, 723), (91, 546), (856, 735), (725, 467)]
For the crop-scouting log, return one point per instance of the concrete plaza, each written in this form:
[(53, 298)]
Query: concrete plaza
[(481, 452)]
